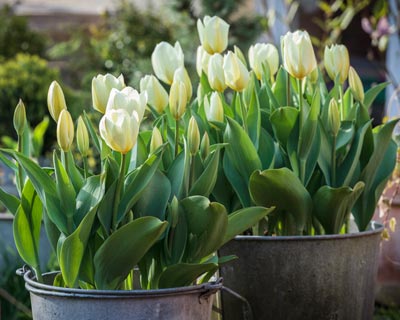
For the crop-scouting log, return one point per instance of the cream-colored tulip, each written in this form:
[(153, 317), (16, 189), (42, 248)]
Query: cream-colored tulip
[(19, 119), (156, 140), (337, 62), (356, 86), (101, 88), (177, 99), (55, 100), (82, 137), (205, 146), (202, 58), (213, 34), (128, 99), (236, 73), (263, 55), (333, 118), (193, 136), (165, 59), (215, 74), (214, 108), (181, 74), (119, 129), (65, 130), (298, 54), (157, 96)]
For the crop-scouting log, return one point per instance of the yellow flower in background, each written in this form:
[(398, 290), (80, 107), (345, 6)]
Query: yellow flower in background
[(157, 96), (65, 130), (235, 72), (55, 100), (165, 59), (101, 88), (298, 54), (263, 55), (213, 34), (337, 62)]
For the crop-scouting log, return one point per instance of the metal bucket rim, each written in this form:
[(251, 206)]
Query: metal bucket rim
[(205, 289), (376, 229)]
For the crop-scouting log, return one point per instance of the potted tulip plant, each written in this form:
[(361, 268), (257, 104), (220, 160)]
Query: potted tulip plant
[(313, 155), (143, 216)]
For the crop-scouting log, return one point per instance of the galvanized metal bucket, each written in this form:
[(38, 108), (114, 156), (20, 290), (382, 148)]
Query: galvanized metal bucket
[(56, 303), (328, 277)]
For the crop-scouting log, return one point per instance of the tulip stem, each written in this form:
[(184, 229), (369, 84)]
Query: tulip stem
[(118, 189), (176, 137), (244, 113), (288, 89), (191, 177), (20, 171), (334, 162), (341, 102), (301, 112), (85, 167)]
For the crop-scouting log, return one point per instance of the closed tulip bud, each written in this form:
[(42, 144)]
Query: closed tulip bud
[(156, 140), (55, 100), (165, 59), (356, 86), (182, 75), (205, 146), (193, 136), (177, 99), (313, 76), (82, 137), (119, 129), (213, 108), (333, 118), (19, 118), (65, 131), (263, 55), (128, 99), (202, 58), (240, 55), (337, 62), (213, 34), (236, 73), (157, 96), (215, 75), (298, 54), (101, 88)]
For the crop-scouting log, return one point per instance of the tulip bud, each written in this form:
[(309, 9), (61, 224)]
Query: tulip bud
[(119, 129), (65, 131), (213, 108), (174, 211), (157, 96), (205, 146), (177, 99), (165, 59), (182, 75), (215, 74), (19, 118), (193, 136), (128, 99), (82, 137), (55, 100), (298, 54), (156, 140), (213, 34), (313, 76), (240, 55), (356, 86), (235, 72), (101, 88), (263, 55), (333, 118), (337, 62), (202, 58)]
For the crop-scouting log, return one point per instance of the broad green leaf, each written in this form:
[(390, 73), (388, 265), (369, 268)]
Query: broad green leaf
[(279, 89), (184, 274), (280, 188), (243, 219), (10, 201), (254, 116), (73, 249), (176, 236), (372, 93), (92, 131), (332, 206), (122, 251), (207, 222), (26, 226), (283, 121), (38, 135), (348, 104), (266, 150), (105, 210), (73, 172), (274, 103), (179, 173)]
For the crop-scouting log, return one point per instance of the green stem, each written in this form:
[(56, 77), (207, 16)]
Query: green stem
[(191, 177), (334, 162), (288, 89), (85, 167), (234, 104), (341, 102), (244, 114), (176, 137), (20, 170), (301, 111), (117, 195)]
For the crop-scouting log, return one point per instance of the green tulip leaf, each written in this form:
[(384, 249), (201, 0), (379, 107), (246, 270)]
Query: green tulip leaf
[(179, 173), (92, 131), (280, 188), (332, 206), (253, 115), (279, 89), (73, 172), (117, 256), (267, 150), (372, 93), (274, 103), (106, 207), (184, 274), (283, 121), (176, 237), (10, 201)]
